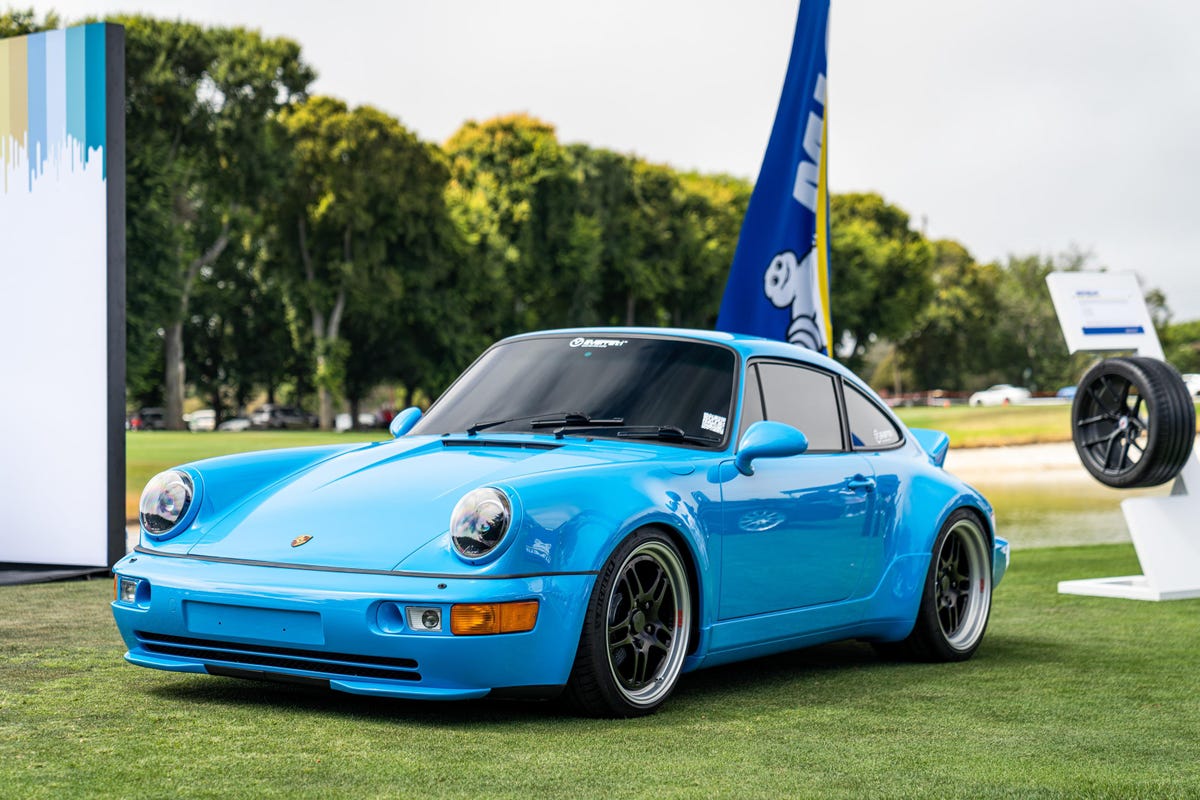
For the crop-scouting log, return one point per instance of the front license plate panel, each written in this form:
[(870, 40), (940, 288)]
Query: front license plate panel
[(271, 624)]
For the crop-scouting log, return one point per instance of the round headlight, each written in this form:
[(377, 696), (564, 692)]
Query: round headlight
[(165, 501), (479, 521)]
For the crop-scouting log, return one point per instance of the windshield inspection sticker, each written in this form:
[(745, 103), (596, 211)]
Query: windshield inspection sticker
[(714, 423), (600, 344)]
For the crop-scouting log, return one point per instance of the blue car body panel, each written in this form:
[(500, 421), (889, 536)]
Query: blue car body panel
[(809, 549)]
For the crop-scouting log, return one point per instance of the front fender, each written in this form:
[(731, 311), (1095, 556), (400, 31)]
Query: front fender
[(573, 520)]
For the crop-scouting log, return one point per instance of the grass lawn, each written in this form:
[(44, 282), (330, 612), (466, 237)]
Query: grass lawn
[(1068, 697), (993, 425)]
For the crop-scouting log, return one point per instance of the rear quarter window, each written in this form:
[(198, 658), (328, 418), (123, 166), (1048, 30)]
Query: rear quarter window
[(870, 427)]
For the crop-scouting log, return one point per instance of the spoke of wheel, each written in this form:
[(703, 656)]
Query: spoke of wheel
[(1124, 399), (1099, 400), (628, 598), (636, 675), (1093, 420), (656, 592), (1106, 438), (1108, 450), (1125, 451), (619, 630), (636, 589)]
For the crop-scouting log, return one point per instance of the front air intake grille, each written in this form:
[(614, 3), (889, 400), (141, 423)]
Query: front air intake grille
[(268, 658)]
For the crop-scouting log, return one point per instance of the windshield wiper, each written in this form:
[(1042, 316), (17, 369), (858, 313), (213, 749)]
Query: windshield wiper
[(545, 419), (575, 420), (670, 433)]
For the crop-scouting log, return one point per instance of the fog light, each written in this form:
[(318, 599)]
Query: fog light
[(475, 619), (127, 590), (424, 618)]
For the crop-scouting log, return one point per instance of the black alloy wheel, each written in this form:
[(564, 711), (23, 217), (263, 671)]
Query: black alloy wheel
[(956, 600), (636, 632), (1133, 422)]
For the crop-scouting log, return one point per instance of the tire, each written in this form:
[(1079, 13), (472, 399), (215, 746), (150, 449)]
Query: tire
[(636, 631), (1133, 422), (956, 598)]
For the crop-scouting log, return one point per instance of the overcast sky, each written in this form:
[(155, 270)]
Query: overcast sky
[(1023, 126)]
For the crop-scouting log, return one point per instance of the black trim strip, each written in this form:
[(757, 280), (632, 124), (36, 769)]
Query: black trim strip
[(246, 562), (114, 156), (479, 442), (342, 659), (263, 658)]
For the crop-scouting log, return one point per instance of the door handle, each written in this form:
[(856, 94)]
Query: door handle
[(861, 482)]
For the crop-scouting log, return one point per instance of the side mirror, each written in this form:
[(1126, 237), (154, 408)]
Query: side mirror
[(767, 439), (403, 422)]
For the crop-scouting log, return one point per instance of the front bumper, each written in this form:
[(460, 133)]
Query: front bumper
[(341, 627)]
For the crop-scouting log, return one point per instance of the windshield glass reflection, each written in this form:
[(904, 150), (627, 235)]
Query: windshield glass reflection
[(616, 387)]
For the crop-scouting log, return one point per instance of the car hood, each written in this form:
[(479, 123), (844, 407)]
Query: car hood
[(372, 508)]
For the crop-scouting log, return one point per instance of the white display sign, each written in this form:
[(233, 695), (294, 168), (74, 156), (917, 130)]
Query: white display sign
[(1103, 311), (62, 280)]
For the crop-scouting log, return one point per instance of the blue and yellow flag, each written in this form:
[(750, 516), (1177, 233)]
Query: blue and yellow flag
[(779, 281)]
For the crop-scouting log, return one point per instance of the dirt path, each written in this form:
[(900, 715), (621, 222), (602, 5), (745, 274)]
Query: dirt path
[(1018, 464)]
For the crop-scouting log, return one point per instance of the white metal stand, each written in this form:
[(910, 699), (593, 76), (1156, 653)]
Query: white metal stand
[(1165, 530), (1164, 533)]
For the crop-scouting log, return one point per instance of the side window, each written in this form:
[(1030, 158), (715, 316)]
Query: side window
[(804, 399), (752, 407), (870, 428)]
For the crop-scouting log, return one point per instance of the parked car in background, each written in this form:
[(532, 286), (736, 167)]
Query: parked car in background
[(1192, 380), (1002, 394), (1066, 393), (278, 417), (148, 419), (366, 421), (235, 424), (203, 420)]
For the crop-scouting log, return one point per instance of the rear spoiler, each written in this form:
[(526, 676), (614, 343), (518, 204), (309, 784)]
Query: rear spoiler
[(934, 443)]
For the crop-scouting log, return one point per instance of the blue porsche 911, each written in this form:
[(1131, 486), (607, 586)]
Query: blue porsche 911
[(588, 513)]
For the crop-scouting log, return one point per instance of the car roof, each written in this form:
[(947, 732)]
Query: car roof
[(744, 344)]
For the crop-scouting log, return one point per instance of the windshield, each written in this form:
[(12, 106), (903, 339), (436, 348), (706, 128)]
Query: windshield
[(615, 387)]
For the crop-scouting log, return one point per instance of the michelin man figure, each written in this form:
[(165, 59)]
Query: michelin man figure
[(792, 283)]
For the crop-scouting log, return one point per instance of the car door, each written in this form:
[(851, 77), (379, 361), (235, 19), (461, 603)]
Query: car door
[(796, 533)]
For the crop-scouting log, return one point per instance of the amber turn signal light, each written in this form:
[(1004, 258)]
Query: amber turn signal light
[(475, 619)]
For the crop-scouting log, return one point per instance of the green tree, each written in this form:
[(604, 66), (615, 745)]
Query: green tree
[(362, 219), (880, 272), (1027, 345), (514, 197), (947, 345), (1181, 344), (201, 161), (237, 337), (636, 208), (21, 22), (711, 209)]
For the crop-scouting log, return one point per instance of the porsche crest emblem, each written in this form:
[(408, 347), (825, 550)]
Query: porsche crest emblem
[(299, 540)]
